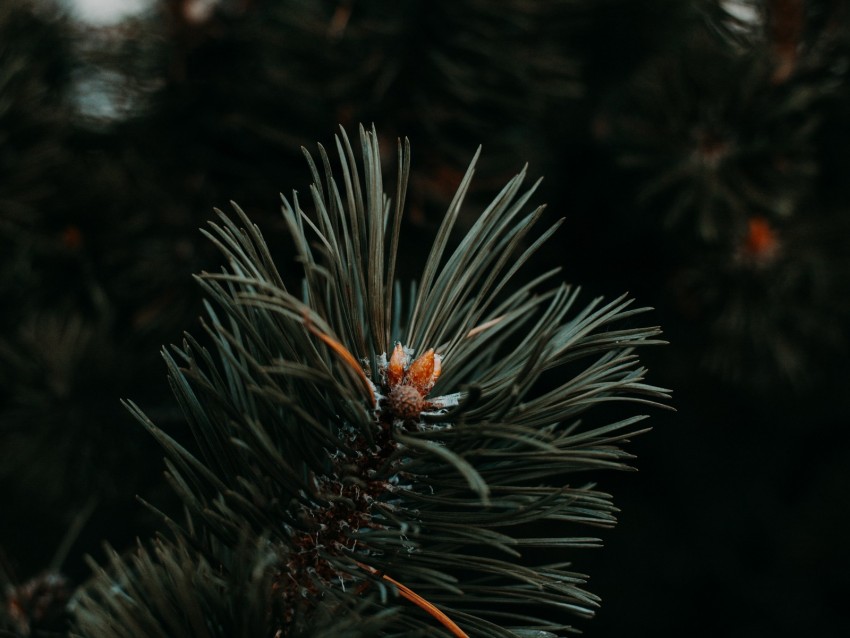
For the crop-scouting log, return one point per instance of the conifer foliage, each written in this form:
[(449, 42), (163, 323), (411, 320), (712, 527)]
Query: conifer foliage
[(377, 458)]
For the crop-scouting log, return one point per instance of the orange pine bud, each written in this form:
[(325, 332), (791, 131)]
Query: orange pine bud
[(395, 368), (761, 240), (420, 374)]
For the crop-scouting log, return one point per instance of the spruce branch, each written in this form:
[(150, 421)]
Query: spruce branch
[(359, 453)]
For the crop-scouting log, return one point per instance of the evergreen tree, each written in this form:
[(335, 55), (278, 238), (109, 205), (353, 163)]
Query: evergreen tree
[(697, 150)]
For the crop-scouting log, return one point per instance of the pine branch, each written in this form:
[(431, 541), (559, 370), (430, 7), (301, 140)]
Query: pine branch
[(367, 454)]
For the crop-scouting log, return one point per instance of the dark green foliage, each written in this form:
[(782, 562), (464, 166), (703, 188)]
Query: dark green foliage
[(302, 447), (717, 140), (33, 129), (722, 137), (116, 142), (34, 70)]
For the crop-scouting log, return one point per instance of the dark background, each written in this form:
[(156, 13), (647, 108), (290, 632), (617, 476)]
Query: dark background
[(698, 150)]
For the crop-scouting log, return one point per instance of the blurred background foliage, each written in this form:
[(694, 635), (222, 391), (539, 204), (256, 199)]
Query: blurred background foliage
[(698, 149)]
